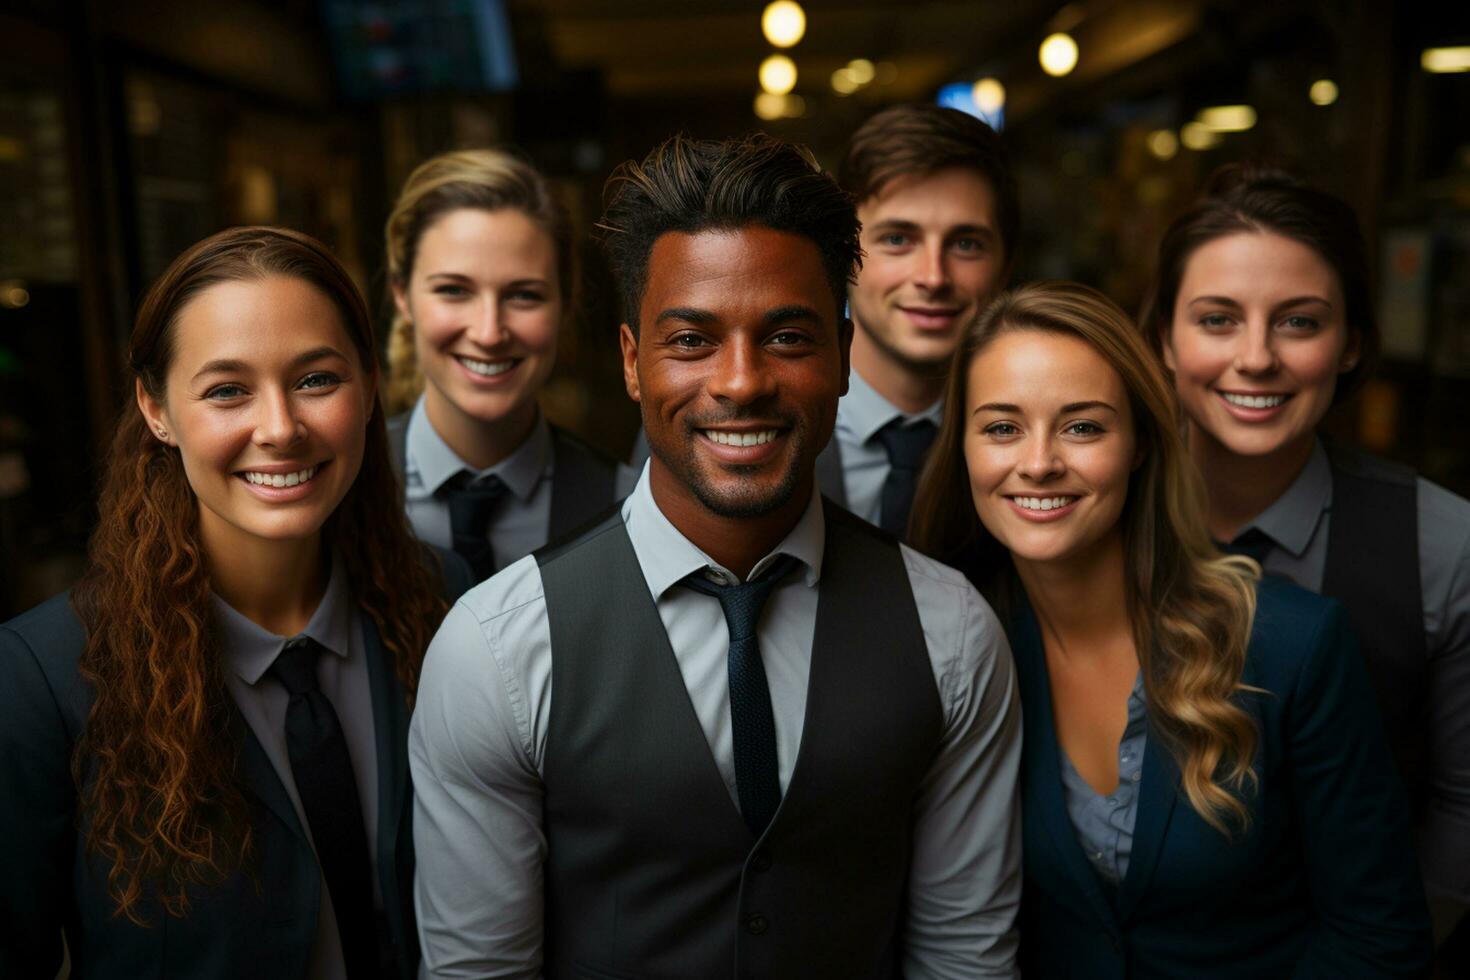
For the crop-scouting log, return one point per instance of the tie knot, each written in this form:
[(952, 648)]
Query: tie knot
[(1252, 542), (907, 442), (470, 502), (742, 602), (295, 666)]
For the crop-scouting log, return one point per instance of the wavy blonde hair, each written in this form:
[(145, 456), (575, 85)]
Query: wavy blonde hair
[(487, 180), (1191, 607)]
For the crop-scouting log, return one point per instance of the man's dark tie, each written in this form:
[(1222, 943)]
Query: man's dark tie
[(322, 771), (470, 503), (906, 445), (1252, 542), (757, 773)]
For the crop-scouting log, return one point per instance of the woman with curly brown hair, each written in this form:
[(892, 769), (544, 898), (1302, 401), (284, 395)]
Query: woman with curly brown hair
[(1206, 787), (202, 768)]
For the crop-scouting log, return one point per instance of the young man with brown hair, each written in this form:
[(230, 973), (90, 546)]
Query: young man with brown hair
[(940, 223)]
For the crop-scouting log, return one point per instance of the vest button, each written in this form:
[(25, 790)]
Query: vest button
[(761, 861), (756, 925)]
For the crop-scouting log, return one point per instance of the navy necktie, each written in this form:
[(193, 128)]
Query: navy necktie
[(906, 445), (322, 770), (757, 773), (470, 504), (1252, 542)]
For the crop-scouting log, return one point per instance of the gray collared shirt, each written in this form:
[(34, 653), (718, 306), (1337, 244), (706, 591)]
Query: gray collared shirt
[(1104, 822), (860, 414), (249, 652), (522, 519), (1297, 524), (478, 739)]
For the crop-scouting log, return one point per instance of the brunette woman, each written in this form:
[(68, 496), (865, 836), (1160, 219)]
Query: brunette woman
[(1206, 789), (202, 764), (480, 265), (1261, 309)]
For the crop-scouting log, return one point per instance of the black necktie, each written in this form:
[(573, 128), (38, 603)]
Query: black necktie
[(322, 770), (470, 502), (906, 445), (1252, 542), (757, 773)]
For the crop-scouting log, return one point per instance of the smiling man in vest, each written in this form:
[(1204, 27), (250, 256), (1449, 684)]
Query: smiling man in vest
[(728, 731)]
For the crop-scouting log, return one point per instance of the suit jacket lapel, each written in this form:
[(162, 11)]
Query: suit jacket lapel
[(390, 724), (1042, 787), (260, 776), (1157, 797)]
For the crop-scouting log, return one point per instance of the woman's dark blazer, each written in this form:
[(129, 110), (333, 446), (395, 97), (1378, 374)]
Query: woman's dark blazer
[(253, 925), (1323, 884)]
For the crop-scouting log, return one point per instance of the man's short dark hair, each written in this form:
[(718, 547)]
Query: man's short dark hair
[(918, 139), (690, 186)]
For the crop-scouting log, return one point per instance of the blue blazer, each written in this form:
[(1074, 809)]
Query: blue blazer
[(1324, 883), (257, 923)]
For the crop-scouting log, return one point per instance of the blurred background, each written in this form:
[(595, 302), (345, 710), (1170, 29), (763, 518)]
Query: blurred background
[(129, 130)]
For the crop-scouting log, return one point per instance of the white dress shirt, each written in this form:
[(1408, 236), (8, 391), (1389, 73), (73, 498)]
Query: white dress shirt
[(477, 745)]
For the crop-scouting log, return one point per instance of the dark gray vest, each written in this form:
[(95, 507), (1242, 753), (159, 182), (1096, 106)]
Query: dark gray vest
[(1373, 569), (585, 481), (650, 872)]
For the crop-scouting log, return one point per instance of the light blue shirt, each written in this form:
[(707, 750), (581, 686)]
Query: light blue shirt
[(860, 414), (1104, 822)]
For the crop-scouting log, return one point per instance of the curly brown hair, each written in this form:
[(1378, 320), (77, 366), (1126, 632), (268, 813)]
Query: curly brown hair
[(157, 764)]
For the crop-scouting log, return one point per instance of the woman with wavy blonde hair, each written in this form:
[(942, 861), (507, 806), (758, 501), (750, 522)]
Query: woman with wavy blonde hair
[(203, 761), (1206, 787), (480, 268)]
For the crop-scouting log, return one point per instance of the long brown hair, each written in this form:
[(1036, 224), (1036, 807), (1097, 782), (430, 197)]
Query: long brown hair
[(1191, 608), (486, 180), (156, 764)]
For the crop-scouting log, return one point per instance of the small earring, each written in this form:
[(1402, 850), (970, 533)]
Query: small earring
[(162, 432)]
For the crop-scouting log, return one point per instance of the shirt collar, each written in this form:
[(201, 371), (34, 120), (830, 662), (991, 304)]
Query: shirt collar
[(865, 411), (666, 556), (250, 649), (431, 463), (1292, 518)]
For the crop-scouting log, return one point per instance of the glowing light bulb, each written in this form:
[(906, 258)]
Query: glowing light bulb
[(989, 95), (778, 74), (1323, 92), (783, 23), (1058, 54)]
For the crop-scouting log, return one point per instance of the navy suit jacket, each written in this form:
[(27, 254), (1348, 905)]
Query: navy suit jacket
[(257, 923), (1322, 884)]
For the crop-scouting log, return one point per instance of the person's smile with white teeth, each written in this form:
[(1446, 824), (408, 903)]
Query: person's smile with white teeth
[(1049, 444)]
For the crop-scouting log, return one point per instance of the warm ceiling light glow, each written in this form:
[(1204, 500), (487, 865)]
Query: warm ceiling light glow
[(1444, 60), (778, 74), (783, 23), (861, 70), (989, 95), (1197, 136), (1163, 144), (1323, 92), (1227, 118), (13, 294), (1058, 54), (769, 106), (843, 82)]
